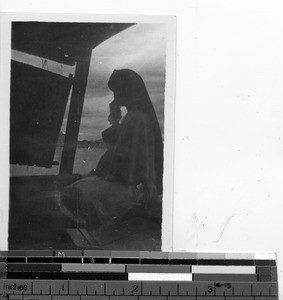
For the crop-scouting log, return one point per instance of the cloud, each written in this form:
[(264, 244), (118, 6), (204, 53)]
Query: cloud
[(140, 48)]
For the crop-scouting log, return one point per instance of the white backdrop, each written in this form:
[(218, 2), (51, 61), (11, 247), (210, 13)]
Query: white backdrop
[(229, 119)]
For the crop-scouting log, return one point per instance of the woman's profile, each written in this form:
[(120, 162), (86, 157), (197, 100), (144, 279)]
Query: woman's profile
[(139, 153), (136, 160)]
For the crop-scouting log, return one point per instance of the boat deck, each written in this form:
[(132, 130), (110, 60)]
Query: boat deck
[(36, 222)]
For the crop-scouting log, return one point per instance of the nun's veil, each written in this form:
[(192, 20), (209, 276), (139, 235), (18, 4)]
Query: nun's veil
[(130, 85)]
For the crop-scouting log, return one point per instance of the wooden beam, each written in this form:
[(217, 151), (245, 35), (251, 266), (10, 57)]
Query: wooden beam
[(75, 113)]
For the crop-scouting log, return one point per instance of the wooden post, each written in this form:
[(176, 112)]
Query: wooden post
[(75, 113)]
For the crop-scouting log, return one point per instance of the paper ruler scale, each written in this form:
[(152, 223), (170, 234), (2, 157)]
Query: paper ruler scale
[(86, 275)]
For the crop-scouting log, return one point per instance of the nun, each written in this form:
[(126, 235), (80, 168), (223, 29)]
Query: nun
[(133, 176)]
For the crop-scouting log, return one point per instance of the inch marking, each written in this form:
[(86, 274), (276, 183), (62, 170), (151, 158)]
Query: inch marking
[(157, 289)]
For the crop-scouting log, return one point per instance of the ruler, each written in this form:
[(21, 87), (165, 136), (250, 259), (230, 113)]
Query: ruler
[(101, 275)]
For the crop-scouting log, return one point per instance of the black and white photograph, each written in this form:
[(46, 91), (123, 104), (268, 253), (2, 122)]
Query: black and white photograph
[(144, 126), (87, 133)]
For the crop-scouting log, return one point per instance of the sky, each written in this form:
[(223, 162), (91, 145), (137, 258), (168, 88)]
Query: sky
[(141, 48)]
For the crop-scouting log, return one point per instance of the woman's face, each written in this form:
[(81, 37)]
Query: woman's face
[(119, 99)]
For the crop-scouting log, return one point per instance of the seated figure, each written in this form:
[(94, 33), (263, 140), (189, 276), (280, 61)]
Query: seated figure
[(134, 158)]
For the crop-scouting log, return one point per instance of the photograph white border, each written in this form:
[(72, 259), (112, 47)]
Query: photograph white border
[(169, 108)]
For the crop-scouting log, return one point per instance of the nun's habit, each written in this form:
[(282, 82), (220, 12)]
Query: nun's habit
[(137, 160)]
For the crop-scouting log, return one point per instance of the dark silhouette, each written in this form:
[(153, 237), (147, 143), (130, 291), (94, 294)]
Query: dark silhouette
[(134, 158), (110, 137), (139, 152)]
